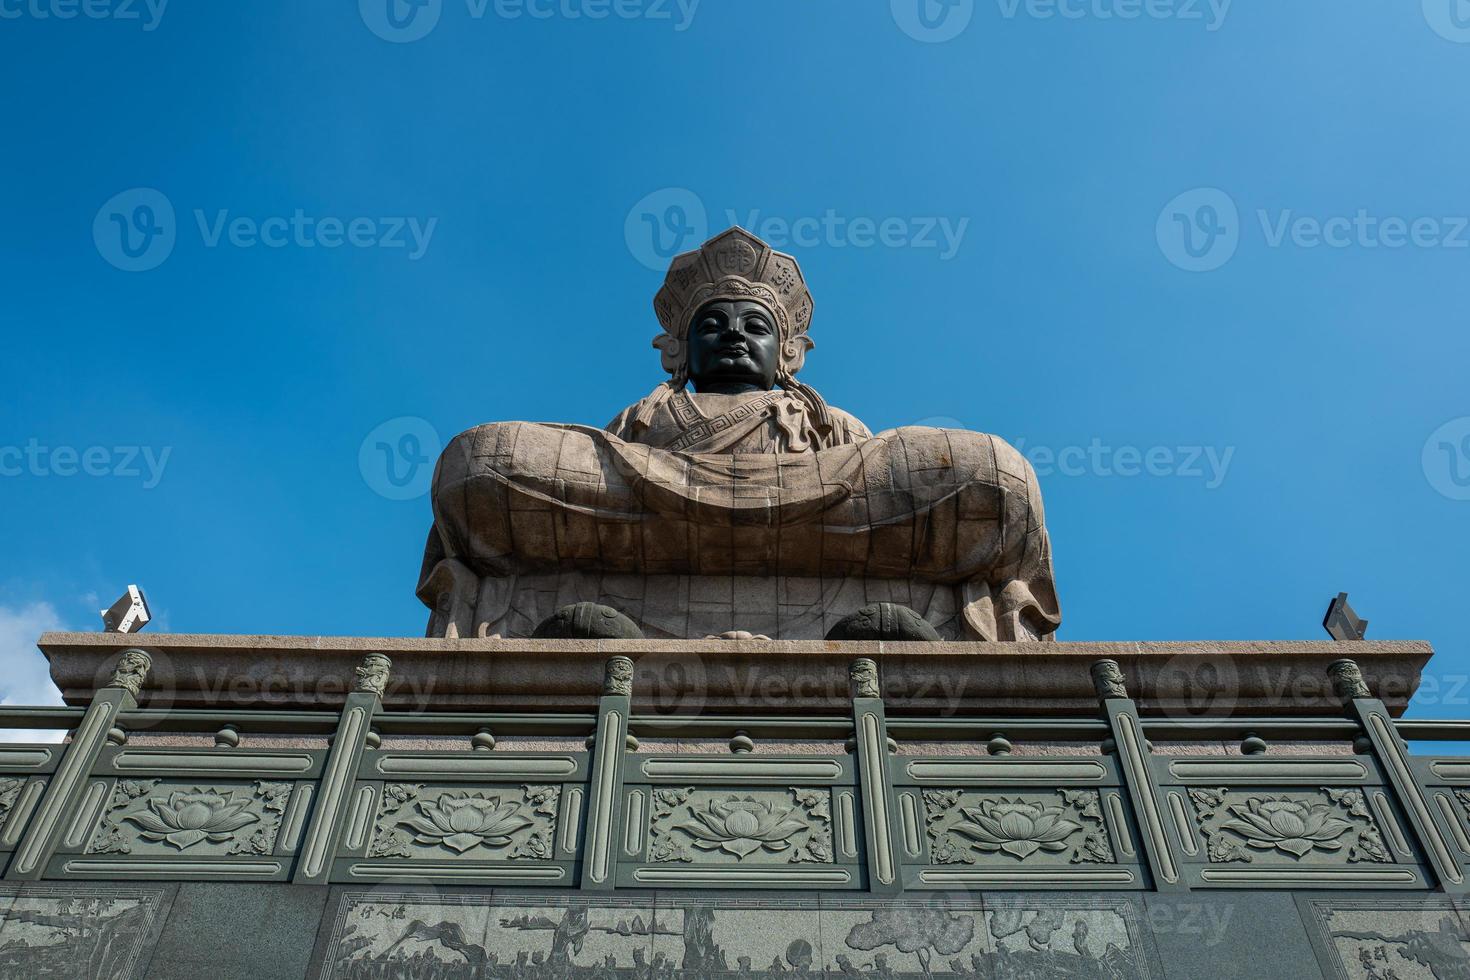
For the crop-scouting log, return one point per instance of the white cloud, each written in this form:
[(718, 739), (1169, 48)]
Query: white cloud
[(25, 677)]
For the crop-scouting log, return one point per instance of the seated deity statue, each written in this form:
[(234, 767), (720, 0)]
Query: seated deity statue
[(733, 499)]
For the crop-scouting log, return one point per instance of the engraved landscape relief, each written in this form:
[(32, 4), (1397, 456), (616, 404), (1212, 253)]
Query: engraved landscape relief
[(432, 936), (1063, 826), (740, 826), (159, 816), (1322, 826), (98, 932), (480, 823), (1393, 940)]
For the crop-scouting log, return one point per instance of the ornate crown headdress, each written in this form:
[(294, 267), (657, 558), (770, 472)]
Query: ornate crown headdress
[(734, 265)]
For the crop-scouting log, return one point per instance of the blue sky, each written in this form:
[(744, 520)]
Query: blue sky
[(1204, 263)]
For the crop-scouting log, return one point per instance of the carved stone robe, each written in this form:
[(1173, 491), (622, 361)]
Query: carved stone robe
[(698, 513)]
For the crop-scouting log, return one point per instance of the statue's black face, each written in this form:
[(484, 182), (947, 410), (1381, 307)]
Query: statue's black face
[(733, 347)]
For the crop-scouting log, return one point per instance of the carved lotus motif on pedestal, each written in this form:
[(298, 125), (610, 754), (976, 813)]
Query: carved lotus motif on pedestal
[(460, 821), (743, 826), (1016, 827), (185, 819), (1287, 825)]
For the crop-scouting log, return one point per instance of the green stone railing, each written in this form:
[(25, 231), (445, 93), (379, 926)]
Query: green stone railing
[(1115, 801)]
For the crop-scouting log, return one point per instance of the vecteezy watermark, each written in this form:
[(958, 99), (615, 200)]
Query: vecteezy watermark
[(1450, 19), (674, 220), (123, 462), (1209, 464), (403, 21), (148, 13), (932, 21), (1200, 230), (1446, 459), (936, 21), (396, 459), (1211, 13), (136, 230)]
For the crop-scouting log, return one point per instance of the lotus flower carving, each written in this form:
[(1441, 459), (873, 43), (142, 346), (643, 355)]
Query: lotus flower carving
[(460, 821), (185, 819), (1016, 827), (1287, 825), (743, 826)]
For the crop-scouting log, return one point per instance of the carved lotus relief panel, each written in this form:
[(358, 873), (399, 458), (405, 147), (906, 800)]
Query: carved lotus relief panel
[(159, 816), (746, 826), (480, 823), (1063, 826), (1321, 826)]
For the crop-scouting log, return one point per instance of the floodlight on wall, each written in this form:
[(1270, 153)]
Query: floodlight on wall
[(128, 614)]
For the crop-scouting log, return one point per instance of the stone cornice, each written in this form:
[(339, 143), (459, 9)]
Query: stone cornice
[(716, 676)]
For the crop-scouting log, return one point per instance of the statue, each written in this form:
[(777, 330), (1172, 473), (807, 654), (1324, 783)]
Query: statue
[(746, 504)]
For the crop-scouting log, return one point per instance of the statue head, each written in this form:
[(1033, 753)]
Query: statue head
[(733, 346), (734, 274)]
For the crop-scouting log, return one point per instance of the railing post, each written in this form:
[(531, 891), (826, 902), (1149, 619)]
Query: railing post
[(1133, 767), (339, 776), (605, 790), (1393, 756), (78, 758), (870, 733)]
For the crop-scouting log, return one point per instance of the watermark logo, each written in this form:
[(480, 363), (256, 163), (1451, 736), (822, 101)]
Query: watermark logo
[(1211, 13), (663, 224), (396, 459), (135, 230), (1208, 464), (674, 220), (1199, 230), (1450, 19), (400, 21), (148, 13), (122, 462), (1446, 459), (933, 21)]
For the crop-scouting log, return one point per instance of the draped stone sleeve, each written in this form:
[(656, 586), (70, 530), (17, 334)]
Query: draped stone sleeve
[(1017, 599)]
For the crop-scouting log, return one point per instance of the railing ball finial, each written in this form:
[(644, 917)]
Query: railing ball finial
[(1107, 680), (1347, 680), (863, 675), (372, 674), (617, 677), (131, 670)]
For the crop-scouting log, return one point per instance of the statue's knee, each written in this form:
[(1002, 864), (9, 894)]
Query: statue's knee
[(587, 621), (883, 621)]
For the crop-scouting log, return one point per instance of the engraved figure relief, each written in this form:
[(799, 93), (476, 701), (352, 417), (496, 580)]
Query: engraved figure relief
[(10, 788), (481, 936), (751, 826), (1386, 939), (498, 823), (97, 932), (969, 827), (157, 816), (1327, 825)]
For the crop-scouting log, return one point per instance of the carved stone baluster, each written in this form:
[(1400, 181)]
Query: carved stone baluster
[(1133, 766), (65, 787), (605, 789), (1393, 756), (870, 737), (339, 775)]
